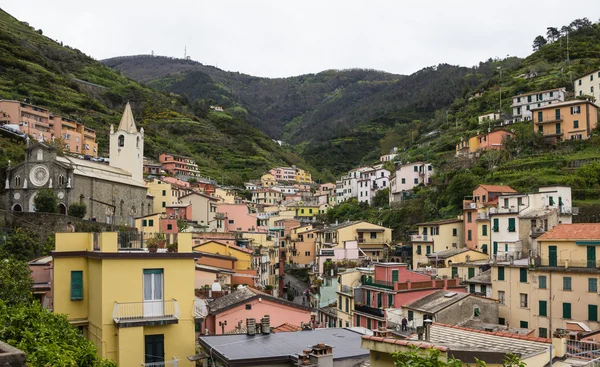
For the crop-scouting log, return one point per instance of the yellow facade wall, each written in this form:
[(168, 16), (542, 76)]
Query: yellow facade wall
[(244, 259)]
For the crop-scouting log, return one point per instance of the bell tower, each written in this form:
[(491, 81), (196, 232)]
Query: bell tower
[(127, 146)]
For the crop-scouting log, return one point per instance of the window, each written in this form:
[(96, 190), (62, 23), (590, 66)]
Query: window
[(248, 306), (416, 180), (519, 202), (524, 325), (575, 110), (540, 116), (469, 217), (373, 235), (592, 285), (169, 227), (121, 140), (591, 77), (471, 272), (476, 312), (523, 275), (368, 323), (17, 181), (454, 232), (523, 300), (390, 300), (543, 305), (500, 273), (566, 311), (483, 289), (164, 204), (483, 198), (347, 305), (469, 237), (501, 321), (576, 124), (511, 224), (416, 169), (428, 250), (357, 320), (306, 253), (419, 250), (164, 193), (496, 226), (543, 332), (579, 82), (471, 288), (403, 180), (567, 284), (231, 221), (501, 297), (592, 312), (484, 230), (340, 302), (151, 222), (542, 281), (144, 223), (76, 285)]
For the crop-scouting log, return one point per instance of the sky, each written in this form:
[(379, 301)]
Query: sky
[(280, 38)]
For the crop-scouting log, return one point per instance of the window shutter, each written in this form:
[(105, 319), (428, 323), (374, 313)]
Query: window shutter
[(566, 310), (76, 285), (543, 308), (500, 273)]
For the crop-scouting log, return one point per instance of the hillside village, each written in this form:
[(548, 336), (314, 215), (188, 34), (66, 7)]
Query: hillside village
[(155, 264)]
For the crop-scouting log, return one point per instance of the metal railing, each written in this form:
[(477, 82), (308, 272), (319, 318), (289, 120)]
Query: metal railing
[(174, 362), (550, 118), (370, 310), (146, 310), (503, 210), (483, 216), (137, 240), (564, 210), (568, 263), (372, 241), (378, 283), (346, 289), (420, 238), (589, 351)]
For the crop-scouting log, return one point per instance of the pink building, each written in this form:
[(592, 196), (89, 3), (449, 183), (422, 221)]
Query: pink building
[(177, 182), (493, 140), (348, 251), (229, 313), (393, 286), (284, 173), (179, 165), (237, 217), (179, 211)]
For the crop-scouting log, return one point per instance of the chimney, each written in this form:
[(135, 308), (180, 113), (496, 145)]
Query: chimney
[(321, 355), (266, 325), (427, 323), (251, 327)]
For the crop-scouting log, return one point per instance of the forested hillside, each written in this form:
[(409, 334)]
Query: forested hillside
[(70, 83)]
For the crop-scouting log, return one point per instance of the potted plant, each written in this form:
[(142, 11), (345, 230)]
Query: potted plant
[(160, 239), (172, 247), (152, 245)]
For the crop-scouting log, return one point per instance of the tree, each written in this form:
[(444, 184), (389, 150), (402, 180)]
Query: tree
[(492, 158), (45, 201), (414, 357), (182, 225), (538, 42), (381, 199), (460, 185), (15, 282), (552, 34), (78, 210), (22, 244)]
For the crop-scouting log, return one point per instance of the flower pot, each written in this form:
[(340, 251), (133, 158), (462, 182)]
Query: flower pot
[(152, 249)]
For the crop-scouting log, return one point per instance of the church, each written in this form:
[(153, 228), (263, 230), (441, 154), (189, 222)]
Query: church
[(111, 192)]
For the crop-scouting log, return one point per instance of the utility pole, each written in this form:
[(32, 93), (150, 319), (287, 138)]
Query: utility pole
[(500, 110)]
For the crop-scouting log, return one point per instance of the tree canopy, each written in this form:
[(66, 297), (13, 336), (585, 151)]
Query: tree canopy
[(45, 201)]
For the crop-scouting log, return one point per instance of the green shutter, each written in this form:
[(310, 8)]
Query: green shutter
[(542, 282), (551, 199), (76, 285), (471, 272), (511, 224), (524, 325), (495, 248), (471, 288), (566, 311), (390, 300), (368, 323), (592, 312), (566, 283), (484, 230), (523, 275), (552, 256), (454, 272), (357, 320), (379, 300), (591, 256), (543, 332), (592, 285), (496, 226), (543, 306), (394, 276), (368, 297), (340, 302), (500, 273), (501, 320), (428, 249), (151, 222)]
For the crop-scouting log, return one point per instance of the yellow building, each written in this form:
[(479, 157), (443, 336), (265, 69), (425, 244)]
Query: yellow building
[(444, 261), (164, 194), (301, 245), (303, 210), (347, 281), (467, 147), (559, 289), (435, 236), (268, 180), (572, 120), (372, 239), (136, 307), (149, 223), (303, 176), (243, 255), (225, 196)]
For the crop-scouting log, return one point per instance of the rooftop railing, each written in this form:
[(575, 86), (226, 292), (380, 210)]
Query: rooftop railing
[(174, 362), (145, 310)]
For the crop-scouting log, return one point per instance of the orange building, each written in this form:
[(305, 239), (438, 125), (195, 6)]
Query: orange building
[(572, 120), (42, 125), (179, 165)]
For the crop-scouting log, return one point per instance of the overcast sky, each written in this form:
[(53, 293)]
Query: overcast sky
[(283, 38)]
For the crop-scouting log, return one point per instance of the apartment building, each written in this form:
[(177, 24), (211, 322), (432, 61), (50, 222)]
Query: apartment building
[(303, 176), (135, 306), (284, 173), (371, 238), (572, 120), (371, 181), (408, 176), (558, 289), (301, 245), (204, 209), (522, 104), (490, 117), (389, 157), (267, 197), (349, 184), (42, 125), (348, 281), (588, 84), (179, 165), (492, 140), (164, 194), (435, 236)]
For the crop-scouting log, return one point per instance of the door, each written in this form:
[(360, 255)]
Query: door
[(552, 258), (558, 128), (591, 256), (153, 292), (155, 348)]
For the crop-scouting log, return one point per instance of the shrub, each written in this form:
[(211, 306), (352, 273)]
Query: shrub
[(46, 201), (78, 210)]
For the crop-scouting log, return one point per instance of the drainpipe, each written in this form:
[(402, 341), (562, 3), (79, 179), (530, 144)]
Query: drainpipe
[(550, 311)]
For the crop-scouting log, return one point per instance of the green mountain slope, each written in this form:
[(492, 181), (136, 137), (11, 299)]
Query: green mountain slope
[(334, 118), (70, 83)]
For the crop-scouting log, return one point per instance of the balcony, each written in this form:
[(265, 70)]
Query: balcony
[(504, 210), (378, 283), (420, 238), (347, 290), (174, 362), (567, 263), (371, 241), (483, 216), (550, 119), (220, 215), (536, 232), (146, 313), (468, 204), (568, 211), (377, 312)]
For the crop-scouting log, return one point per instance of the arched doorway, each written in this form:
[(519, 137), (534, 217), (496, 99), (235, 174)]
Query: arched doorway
[(17, 208), (62, 209)]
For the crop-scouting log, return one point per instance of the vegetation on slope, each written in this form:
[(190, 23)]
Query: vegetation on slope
[(69, 83)]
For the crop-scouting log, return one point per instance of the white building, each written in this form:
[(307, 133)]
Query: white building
[(489, 117), (523, 103), (349, 185), (372, 181), (407, 176), (286, 190), (589, 84)]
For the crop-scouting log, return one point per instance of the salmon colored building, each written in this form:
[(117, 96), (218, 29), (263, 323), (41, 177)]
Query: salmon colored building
[(572, 120), (228, 314), (179, 211), (179, 165), (236, 217), (392, 286), (494, 139)]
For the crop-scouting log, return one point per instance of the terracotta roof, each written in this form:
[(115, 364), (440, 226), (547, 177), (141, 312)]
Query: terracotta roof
[(439, 222), (497, 188), (576, 231), (285, 327)]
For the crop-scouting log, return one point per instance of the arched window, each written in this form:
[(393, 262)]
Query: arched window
[(61, 180), (121, 140), (40, 155), (17, 181), (137, 143)]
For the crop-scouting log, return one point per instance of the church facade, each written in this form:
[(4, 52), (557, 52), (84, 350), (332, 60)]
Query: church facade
[(114, 192)]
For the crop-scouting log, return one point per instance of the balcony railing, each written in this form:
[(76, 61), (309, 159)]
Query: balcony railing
[(421, 238), (220, 215), (504, 210), (371, 241), (566, 263), (549, 119), (174, 362), (370, 310), (565, 210), (131, 312), (483, 216), (346, 289), (378, 283), (536, 232)]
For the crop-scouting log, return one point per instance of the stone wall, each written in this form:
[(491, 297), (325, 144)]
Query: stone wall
[(11, 357), (464, 310)]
